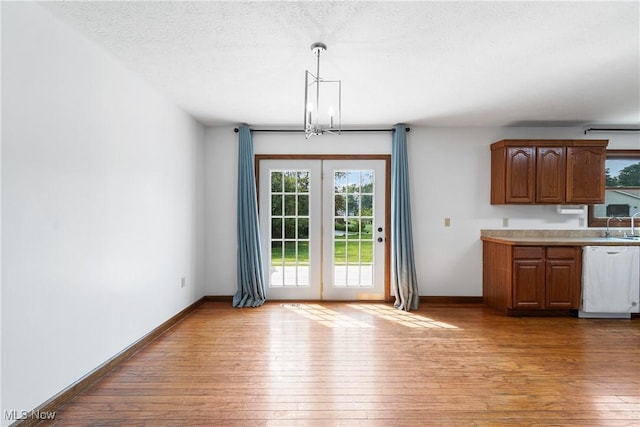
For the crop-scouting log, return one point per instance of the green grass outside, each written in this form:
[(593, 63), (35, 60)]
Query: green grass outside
[(340, 251)]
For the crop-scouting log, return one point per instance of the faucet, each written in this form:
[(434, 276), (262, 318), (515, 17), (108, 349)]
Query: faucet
[(633, 230), (606, 233)]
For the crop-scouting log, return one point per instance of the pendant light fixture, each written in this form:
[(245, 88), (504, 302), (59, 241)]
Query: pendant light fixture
[(322, 100)]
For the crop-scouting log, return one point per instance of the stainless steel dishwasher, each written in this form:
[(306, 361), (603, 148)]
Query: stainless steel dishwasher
[(610, 281)]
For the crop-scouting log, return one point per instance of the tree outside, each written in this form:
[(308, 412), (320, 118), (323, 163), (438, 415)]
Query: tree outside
[(629, 176)]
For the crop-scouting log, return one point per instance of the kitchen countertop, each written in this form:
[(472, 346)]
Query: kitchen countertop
[(591, 237)]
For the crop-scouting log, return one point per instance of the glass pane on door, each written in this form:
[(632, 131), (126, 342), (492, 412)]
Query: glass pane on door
[(289, 239), (353, 227)]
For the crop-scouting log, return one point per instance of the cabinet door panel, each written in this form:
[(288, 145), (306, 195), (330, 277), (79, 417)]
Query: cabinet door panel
[(528, 283), (520, 175), (585, 174), (561, 276), (550, 175)]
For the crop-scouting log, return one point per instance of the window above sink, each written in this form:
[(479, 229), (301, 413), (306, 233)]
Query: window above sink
[(622, 192)]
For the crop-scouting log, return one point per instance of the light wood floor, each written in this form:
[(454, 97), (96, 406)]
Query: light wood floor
[(343, 364)]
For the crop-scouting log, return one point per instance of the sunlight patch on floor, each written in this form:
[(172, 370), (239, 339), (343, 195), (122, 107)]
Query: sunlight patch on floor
[(326, 316), (405, 318), (334, 319)]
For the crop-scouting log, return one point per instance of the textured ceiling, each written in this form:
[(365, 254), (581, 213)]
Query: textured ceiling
[(422, 63)]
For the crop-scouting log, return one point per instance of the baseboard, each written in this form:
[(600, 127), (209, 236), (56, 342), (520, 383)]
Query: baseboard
[(59, 400), (218, 298), (450, 300), (423, 299)]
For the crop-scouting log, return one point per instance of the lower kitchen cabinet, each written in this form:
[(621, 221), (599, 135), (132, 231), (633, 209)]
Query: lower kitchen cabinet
[(563, 269), (531, 279), (528, 277)]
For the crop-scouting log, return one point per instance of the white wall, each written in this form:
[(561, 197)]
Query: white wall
[(450, 173), (221, 158), (102, 204), (0, 221)]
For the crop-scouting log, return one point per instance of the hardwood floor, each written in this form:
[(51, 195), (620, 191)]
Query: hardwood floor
[(345, 364)]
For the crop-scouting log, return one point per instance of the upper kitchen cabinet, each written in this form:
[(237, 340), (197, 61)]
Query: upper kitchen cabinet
[(551, 174), (527, 171), (519, 166), (586, 174)]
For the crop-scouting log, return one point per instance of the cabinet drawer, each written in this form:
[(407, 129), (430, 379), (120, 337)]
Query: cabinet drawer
[(528, 252), (561, 252)]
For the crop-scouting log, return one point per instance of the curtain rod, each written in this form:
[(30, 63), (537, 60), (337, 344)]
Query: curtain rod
[(236, 130), (611, 130)]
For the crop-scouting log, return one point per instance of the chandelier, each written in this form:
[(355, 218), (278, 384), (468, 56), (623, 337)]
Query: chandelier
[(322, 100)]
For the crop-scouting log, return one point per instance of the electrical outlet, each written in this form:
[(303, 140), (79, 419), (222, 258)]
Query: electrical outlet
[(183, 282), (505, 222), (447, 222)]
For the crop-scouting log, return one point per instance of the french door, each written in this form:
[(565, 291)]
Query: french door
[(323, 228)]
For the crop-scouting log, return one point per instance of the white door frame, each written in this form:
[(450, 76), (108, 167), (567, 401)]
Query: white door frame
[(347, 280), (299, 282), (286, 162)]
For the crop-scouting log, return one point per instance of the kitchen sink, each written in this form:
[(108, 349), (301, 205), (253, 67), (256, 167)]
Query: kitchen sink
[(627, 237)]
